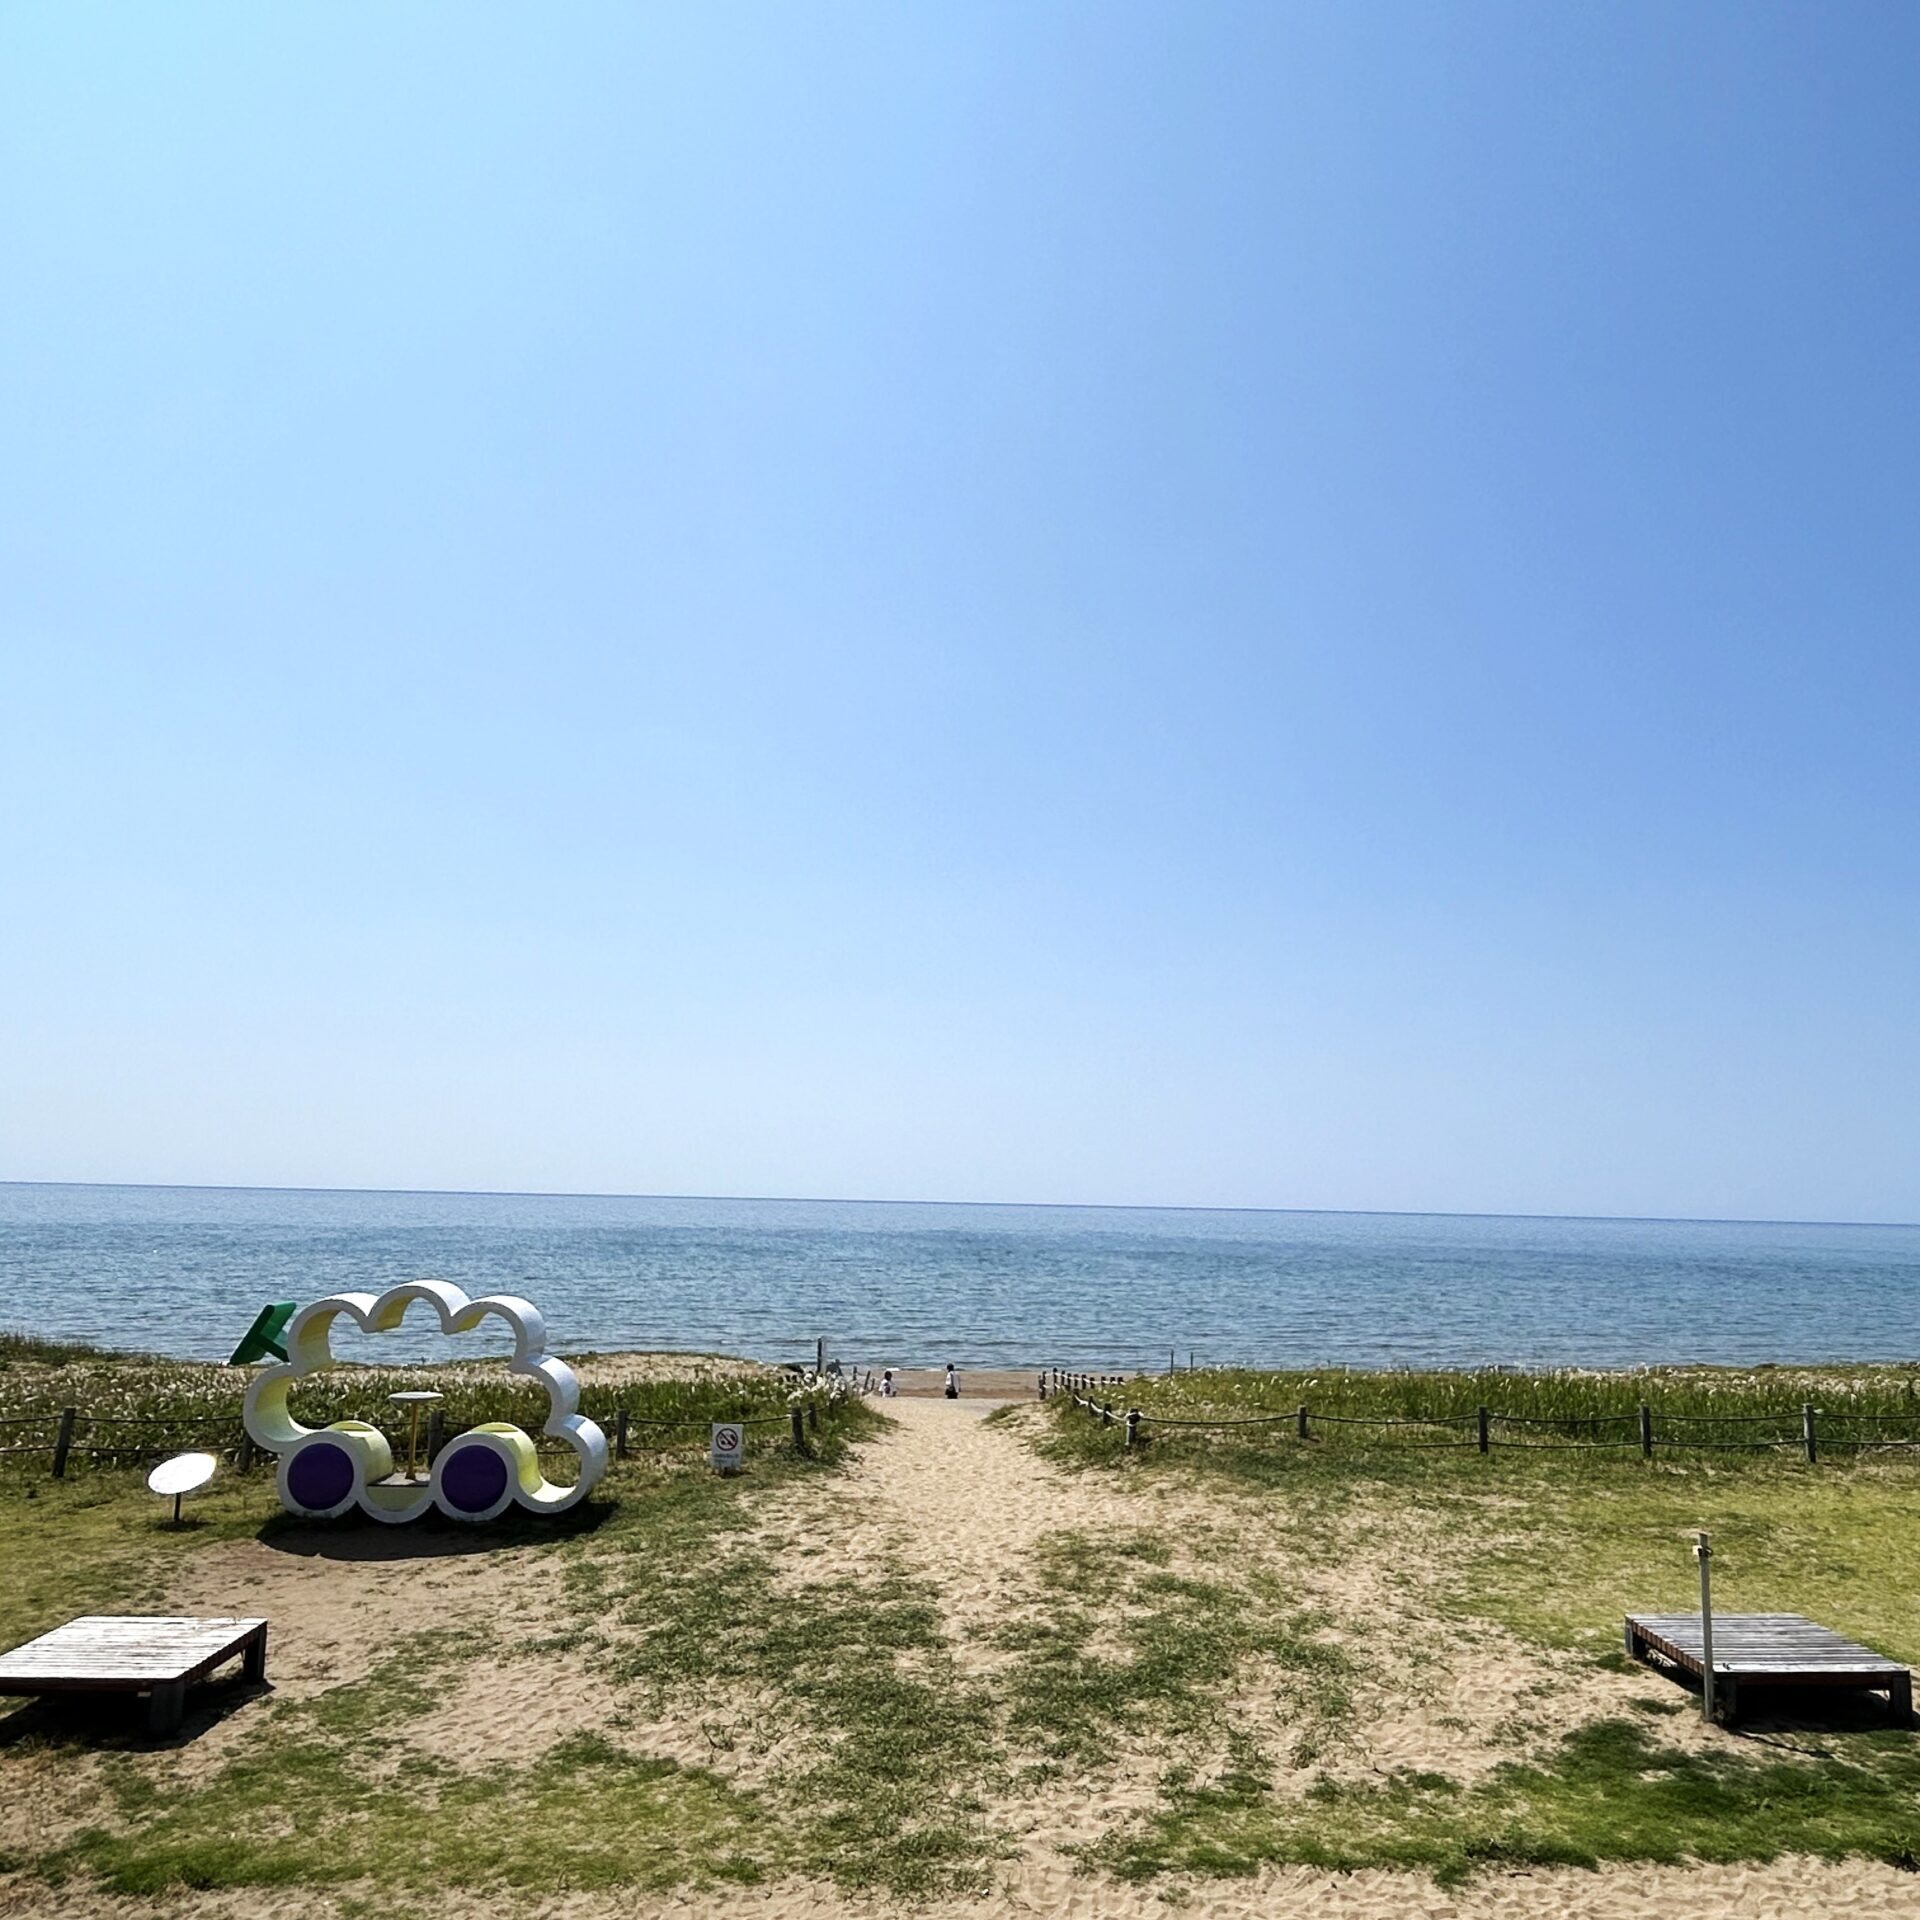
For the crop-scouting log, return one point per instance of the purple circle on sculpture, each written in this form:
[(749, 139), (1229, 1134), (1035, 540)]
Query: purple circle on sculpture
[(472, 1478), (320, 1476)]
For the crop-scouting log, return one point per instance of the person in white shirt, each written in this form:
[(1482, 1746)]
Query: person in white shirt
[(953, 1382), (887, 1388)]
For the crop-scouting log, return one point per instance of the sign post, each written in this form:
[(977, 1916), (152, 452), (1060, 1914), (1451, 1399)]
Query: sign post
[(728, 1447), (1705, 1554)]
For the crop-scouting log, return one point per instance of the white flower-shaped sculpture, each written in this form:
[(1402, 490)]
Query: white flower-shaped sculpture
[(476, 1476)]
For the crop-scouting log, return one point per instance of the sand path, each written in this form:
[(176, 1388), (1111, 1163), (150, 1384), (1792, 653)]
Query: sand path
[(959, 1501)]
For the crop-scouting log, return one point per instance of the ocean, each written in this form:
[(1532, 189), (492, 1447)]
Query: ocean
[(182, 1270)]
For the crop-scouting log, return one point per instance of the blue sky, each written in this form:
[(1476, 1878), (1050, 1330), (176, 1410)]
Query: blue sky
[(1273, 605)]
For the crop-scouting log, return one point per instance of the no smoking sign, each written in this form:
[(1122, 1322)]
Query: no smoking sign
[(728, 1447)]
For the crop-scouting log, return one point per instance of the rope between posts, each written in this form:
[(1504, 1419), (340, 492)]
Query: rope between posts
[(1367, 1420), (140, 1419), (1167, 1420), (1719, 1419), (708, 1419), (1563, 1420)]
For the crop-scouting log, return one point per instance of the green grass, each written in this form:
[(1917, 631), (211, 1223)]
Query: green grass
[(332, 1790), (1710, 1407), (1116, 1644), (1611, 1792), (101, 1543), (300, 1811)]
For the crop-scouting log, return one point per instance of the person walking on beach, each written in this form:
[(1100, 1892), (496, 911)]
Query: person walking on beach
[(953, 1382), (887, 1388)]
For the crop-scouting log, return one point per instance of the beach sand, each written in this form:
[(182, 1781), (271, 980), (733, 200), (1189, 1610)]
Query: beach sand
[(990, 1384), (961, 1503)]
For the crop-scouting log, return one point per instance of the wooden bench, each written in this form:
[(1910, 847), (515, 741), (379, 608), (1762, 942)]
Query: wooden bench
[(132, 1653), (1769, 1650)]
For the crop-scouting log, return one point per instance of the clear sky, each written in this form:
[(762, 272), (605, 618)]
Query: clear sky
[(1272, 605)]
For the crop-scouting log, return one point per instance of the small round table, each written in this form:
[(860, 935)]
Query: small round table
[(415, 1400)]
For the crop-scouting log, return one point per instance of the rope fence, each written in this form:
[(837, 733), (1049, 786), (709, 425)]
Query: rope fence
[(1480, 1430)]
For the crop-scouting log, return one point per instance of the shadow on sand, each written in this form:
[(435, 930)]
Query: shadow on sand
[(432, 1537), (117, 1722)]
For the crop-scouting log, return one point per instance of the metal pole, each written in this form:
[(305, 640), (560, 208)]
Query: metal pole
[(1704, 1552)]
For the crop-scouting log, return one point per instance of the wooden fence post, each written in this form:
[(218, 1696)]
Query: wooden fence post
[(1646, 1431), (799, 1429), (1133, 1426), (1304, 1435), (436, 1434), (63, 1441), (243, 1455), (1485, 1438), (1106, 1413), (1807, 1433), (620, 1434)]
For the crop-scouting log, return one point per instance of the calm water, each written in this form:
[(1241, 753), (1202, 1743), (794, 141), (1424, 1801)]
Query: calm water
[(183, 1270)]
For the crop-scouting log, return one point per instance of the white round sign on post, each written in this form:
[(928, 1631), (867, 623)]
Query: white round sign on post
[(729, 1446), (184, 1473)]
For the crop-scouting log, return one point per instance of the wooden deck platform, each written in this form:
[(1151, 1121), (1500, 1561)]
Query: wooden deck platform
[(1769, 1650), (132, 1653)]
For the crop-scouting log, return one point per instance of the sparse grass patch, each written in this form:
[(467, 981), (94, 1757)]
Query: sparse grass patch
[(1610, 1792), (897, 1743), (296, 1811), (1117, 1644), (99, 1543)]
